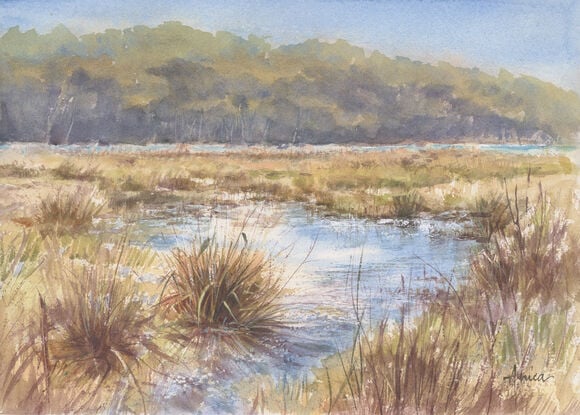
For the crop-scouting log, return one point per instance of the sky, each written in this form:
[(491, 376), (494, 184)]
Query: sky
[(535, 37)]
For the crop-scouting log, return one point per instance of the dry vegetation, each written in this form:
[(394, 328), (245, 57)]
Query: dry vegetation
[(467, 352), (398, 183), (223, 287), (81, 332)]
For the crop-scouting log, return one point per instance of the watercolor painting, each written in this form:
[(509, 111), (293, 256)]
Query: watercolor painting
[(289, 207)]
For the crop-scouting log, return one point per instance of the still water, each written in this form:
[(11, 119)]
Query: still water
[(329, 265)]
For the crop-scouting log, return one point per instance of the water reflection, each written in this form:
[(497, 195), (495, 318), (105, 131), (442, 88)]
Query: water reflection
[(379, 267)]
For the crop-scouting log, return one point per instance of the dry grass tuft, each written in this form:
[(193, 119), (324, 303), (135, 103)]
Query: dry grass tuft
[(531, 259), (67, 170), (68, 212), (98, 333), (423, 367), (228, 286)]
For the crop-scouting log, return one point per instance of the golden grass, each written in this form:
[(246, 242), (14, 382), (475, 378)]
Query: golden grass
[(98, 336), (68, 212), (21, 374), (515, 309), (84, 341), (364, 184), (226, 287)]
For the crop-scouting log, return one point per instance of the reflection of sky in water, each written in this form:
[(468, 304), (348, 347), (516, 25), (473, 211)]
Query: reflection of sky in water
[(321, 293)]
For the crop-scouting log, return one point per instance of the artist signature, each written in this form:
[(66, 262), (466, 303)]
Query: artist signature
[(526, 377)]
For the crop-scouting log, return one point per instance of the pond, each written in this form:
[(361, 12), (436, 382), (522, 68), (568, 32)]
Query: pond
[(399, 263)]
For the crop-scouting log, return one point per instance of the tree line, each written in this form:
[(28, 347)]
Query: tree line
[(173, 83)]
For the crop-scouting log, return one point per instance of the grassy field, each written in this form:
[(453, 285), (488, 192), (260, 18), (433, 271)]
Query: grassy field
[(83, 330), (376, 185)]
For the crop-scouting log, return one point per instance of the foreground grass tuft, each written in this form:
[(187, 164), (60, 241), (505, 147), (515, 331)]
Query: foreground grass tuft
[(85, 342), (532, 260), (98, 333), (227, 286)]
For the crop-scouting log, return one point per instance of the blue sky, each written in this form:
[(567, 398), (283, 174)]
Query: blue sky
[(540, 38)]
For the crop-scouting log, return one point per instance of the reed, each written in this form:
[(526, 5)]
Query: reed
[(512, 315)]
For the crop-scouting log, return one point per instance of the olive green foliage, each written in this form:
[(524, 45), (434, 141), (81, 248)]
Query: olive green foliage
[(406, 205), (173, 83), (490, 215)]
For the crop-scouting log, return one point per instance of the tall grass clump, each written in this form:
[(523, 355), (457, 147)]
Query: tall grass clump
[(407, 205), (97, 337), (423, 366), (526, 279), (227, 287), (532, 260), (83, 342), (68, 211)]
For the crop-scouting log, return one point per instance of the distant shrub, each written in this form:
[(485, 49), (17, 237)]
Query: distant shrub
[(177, 183), (129, 184), (70, 171), (305, 183), (16, 169), (129, 200)]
